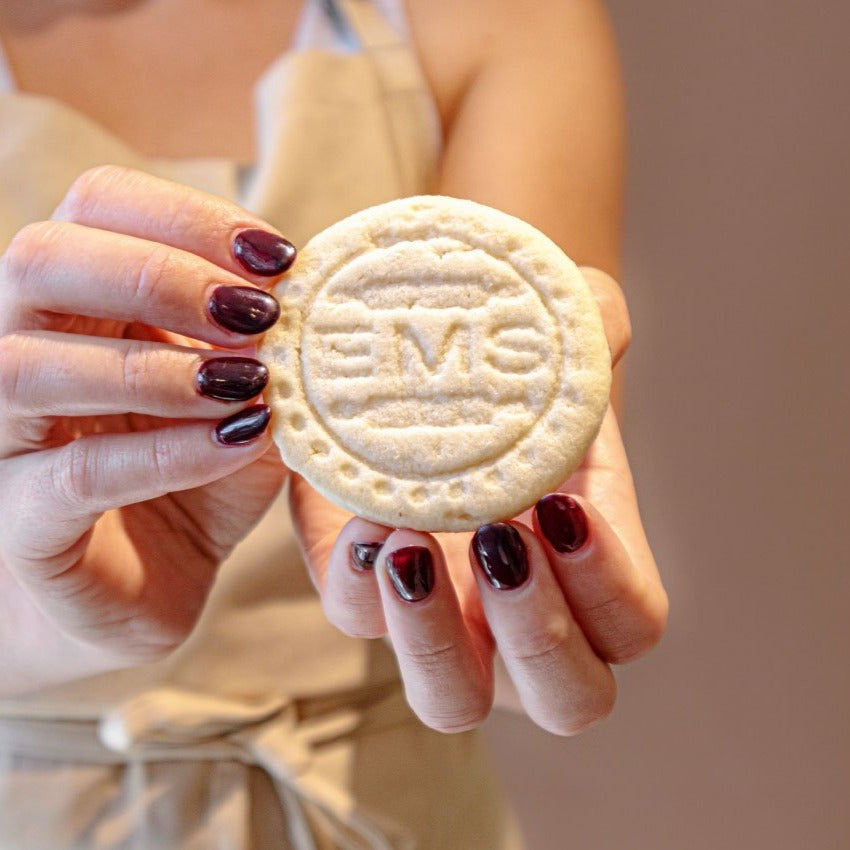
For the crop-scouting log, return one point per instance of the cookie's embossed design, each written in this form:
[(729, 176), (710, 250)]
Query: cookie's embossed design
[(448, 359)]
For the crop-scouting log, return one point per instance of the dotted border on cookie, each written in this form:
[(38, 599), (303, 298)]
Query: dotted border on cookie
[(397, 503)]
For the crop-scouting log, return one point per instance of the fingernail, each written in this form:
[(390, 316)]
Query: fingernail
[(244, 426), (363, 555), (563, 522), (263, 253), (501, 554), (232, 378), (243, 309), (411, 570)]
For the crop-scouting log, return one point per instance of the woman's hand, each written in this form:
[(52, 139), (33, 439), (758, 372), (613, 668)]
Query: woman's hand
[(559, 593), (132, 457)]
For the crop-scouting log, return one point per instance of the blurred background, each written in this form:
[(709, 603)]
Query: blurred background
[(734, 732)]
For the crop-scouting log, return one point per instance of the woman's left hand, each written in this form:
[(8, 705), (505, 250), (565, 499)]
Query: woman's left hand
[(560, 592)]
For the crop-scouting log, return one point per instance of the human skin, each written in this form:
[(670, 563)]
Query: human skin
[(82, 590)]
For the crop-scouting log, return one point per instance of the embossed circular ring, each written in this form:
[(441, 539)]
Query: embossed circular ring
[(438, 364)]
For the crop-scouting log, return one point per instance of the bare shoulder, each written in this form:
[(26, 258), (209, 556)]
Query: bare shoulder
[(533, 110), (456, 41)]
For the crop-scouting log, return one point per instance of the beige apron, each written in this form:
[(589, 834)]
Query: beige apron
[(268, 728)]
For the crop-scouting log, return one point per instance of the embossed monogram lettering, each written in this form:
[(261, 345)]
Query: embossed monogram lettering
[(458, 361), (347, 350), (515, 348), (420, 351), (432, 350)]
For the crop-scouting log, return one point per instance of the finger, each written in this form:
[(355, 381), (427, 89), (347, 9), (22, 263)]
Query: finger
[(60, 268), (622, 610), (53, 374), (612, 305), (605, 479), (126, 201), (448, 679), (73, 485), (350, 596), (564, 687)]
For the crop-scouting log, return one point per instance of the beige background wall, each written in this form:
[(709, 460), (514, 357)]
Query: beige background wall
[(735, 733)]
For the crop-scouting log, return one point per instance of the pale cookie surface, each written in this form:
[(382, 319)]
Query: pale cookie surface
[(437, 365)]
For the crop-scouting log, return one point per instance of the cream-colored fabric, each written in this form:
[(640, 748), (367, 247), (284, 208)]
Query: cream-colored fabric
[(267, 729)]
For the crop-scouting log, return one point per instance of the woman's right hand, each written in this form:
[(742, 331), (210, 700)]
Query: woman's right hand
[(133, 455)]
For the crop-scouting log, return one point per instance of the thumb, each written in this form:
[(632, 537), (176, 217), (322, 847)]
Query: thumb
[(612, 304), (317, 522)]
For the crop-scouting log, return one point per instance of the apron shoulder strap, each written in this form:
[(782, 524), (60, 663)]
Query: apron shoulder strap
[(373, 27), (410, 110), (7, 78)]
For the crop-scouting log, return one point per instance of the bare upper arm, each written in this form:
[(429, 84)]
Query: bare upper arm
[(532, 103)]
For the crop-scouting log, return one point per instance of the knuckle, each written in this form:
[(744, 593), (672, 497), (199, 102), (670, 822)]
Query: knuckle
[(429, 658), (612, 305), (354, 618), (28, 249), (600, 706), (614, 300), (13, 370), (74, 476), (85, 192), (596, 706), (138, 370), (655, 619), (186, 211), (542, 647), (574, 713), (157, 269), (658, 616), (625, 331), (654, 624), (163, 460), (607, 610), (606, 289), (652, 613)]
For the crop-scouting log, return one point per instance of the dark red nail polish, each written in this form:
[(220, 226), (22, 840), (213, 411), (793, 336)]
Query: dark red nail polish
[(243, 309), (232, 378), (263, 253), (563, 522), (411, 570), (363, 556), (244, 426), (501, 554)]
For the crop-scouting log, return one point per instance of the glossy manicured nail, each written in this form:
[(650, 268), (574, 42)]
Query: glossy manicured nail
[(232, 378), (363, 556), (244, 426), (563, 522), (411, 570), (501, 554), (263, 253), (243, 309)]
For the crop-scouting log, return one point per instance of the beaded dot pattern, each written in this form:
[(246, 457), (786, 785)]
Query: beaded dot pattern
[(437, 364)]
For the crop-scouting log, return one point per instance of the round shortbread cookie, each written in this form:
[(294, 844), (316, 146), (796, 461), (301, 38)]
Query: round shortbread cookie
[(438, 364)]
